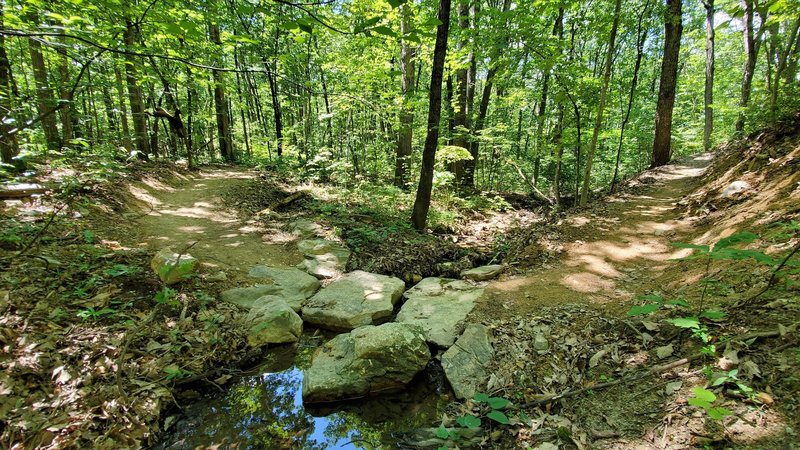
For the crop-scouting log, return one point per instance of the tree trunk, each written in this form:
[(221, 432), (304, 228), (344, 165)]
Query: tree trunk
[(64, 94), (461, 113), (673, 28), (601, 104), (44, 97), (641, 36), (8, 140), (405, 134), (783, 60), (751, 46), (422, 203), (221, 105), (135, 92), (123, 108), (708, 97)]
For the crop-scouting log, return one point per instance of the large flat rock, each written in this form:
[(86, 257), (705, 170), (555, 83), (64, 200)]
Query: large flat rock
[(273, 321), (368, 360), (465, 363), (439, 306), (323, 258), (358, 298), (292, 285), (483, 273)]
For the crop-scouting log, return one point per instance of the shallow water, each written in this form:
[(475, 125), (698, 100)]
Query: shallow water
[(266, 411)]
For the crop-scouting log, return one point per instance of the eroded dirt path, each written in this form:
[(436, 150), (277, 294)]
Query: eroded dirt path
[(193, 212), (610, 251)]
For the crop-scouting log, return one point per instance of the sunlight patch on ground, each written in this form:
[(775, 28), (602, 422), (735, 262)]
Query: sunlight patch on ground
[(587, 283), (143, 195)]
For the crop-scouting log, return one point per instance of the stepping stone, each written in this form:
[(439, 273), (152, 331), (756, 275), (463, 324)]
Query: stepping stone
[(483, 273), (358, 298), (323, 258), (368, 360), (173, 267), (273, 321), (292, 285), (465, 363), (439, 306)]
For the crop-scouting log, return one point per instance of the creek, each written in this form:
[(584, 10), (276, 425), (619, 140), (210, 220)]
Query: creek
[(266, 411)]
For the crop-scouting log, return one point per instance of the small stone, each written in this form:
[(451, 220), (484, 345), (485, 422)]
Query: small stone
[(483, 273), (219, 276), (540, 343), (735, 188), (173, 267), (664, 352)]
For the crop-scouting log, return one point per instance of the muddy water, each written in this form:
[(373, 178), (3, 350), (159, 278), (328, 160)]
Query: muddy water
[(266, 411)]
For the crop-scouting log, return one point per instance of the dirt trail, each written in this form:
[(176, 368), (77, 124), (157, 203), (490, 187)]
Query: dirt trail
[(193, 211), (608, 249)]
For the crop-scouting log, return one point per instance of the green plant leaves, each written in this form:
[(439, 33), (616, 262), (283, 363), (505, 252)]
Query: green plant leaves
[(713, 314), (442, 432), (703, 398), (686, 322), (743, 237), (718, 413), (469, 421), (498, 416), (498, 402), (643, 309)]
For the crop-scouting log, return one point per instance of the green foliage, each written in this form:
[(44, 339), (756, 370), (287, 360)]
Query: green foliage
[(174, 372), (167, 296), (704, 399), (91, 313)]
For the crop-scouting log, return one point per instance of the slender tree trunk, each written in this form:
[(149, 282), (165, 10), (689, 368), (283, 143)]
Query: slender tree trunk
[(751, 54), (63, 90), (641, 36), (461, 113), (221, 105), (135, 96), (8, 140), (601, 104), (405, 134), (673, 28), (559, 143), (708, 97), (189, 118), (123, 108), (422, 203), (783, 59), (44, 96)]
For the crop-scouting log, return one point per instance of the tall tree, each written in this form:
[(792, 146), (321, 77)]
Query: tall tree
[(463, 108), (422, 202), (673, 28), (601, 104), (220, 104), (405, 134), (752, 43), (44, 95), (135, 97), (8, 140), (708, 95)]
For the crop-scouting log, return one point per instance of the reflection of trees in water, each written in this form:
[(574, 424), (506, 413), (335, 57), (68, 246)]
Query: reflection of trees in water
[(266, 411)]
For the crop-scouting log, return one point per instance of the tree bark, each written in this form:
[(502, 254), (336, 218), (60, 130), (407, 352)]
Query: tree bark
[(135, 97), (44, 96), (405, 134), (751, 45), (221, 105), (673, 28), (601, 104), (8, 141), (461, 113), (63, 92), (123, 108), (708, 97), (422, 203)]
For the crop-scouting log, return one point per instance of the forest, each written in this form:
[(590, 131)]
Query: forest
[(603, 195)]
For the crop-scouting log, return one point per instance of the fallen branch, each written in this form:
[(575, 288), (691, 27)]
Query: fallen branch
[(536, 192), (283, 202)]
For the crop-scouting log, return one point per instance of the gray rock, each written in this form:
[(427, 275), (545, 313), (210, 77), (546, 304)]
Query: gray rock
[(439, 306), (219, 276), (358, 298), (305, 228), (323, 259), (465, 363), (735, 187), (483, 273), (246, 297), (367, 360), (172, 267), (273, 321), (296, 285)]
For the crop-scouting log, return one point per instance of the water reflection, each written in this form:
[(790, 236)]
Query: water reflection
[(266, 411)]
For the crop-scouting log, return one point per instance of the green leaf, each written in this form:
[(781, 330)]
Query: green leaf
[(643, 309), (432, 22), (442, 432), (704, 395), (481, 397), (498, 402), (386, 31), (686, 322), (702, 248), (678, 302), (469, 421), (88, 236), (713, 314), (718, 413), (395, 3), (744, 237), (498, 417)]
